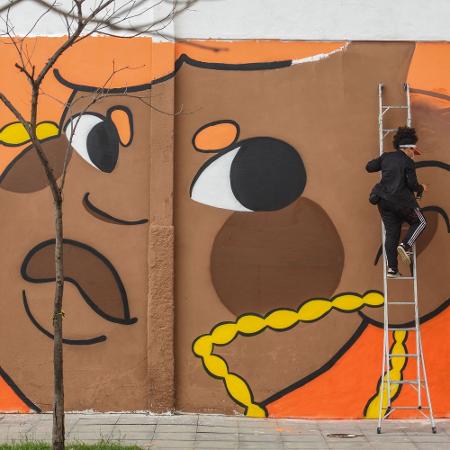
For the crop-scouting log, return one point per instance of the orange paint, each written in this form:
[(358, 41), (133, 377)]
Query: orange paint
[(122, 122), (342, 391), (430, 67), (9, 401), (114, 62), (216, 137)]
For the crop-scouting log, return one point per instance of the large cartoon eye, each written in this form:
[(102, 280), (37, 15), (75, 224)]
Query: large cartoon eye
[(96, 140), (260, 174)]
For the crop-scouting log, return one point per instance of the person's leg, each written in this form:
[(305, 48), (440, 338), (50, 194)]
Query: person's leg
[(417, 224), (392, 225)]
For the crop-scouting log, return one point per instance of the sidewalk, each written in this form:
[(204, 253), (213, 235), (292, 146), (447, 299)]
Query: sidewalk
[(191, 431)]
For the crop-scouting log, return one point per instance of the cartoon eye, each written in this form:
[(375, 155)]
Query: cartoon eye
[(258, 174), (96, 140)]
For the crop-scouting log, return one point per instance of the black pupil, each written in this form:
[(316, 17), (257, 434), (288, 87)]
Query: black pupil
[(103, 145), (267, 174)]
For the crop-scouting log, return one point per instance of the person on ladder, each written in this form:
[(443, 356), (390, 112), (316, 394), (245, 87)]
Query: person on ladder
[(395, 198)]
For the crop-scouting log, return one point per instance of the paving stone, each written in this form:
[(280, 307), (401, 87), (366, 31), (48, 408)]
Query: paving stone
[(212, 445), (255, 437), (174, 436), (179, 445), (217, 429), (179, 420), (217, 436), (428, 446), (166, 428)]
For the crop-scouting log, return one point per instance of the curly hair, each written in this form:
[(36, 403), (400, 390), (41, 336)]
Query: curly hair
[(405, 136)]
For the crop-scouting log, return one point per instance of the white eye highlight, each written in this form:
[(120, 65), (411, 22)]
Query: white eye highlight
[(213, 185), (77, 131)]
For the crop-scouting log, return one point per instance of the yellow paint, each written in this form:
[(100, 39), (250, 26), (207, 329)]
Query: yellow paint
[(281, 319), (15, 134), (397, 365)]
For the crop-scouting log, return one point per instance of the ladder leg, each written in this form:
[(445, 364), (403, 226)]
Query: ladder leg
[(427, 390)]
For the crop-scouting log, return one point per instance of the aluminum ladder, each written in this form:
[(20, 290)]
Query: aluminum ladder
[(420, 383)]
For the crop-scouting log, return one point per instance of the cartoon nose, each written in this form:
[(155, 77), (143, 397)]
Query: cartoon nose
[(262, 261)]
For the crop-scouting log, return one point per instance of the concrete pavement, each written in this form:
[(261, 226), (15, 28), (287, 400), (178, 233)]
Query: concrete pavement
[(212, 432)]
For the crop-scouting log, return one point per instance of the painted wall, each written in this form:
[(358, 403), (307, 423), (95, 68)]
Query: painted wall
[(248, 164)]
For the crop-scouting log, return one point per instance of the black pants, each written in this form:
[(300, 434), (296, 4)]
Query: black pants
[(393, 216)]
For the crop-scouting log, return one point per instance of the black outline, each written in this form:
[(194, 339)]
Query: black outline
[(433, 163), (211, 124), (5, 144), (422, 319), (178, 64), (18, 392), (92, 209), (91, 341), (128, 112), (327, 366), (390, 367), (208, 163), (126, 321)]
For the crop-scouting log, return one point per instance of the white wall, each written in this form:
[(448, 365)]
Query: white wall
[(287, 19)]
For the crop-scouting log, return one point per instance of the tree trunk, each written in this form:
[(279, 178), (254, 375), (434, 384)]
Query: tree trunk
[(58, 402)]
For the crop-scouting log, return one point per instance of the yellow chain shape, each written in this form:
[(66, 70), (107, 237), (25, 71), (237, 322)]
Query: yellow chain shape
[(279, 320), (396, 373)]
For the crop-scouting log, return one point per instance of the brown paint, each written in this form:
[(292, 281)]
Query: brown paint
[(121, 361), (327, 110), (26, 174), (87, 270), (260, 261)]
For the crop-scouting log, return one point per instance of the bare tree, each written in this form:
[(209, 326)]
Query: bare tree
[(82, 18)]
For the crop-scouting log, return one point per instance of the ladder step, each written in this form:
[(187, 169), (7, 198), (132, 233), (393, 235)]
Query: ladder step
[(389, 130), (410, 407), (401, 329), (404, 382), (400, 278), (395, 106), (403, 355), (401, 303)]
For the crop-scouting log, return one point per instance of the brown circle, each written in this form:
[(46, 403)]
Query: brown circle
[(266, 260)]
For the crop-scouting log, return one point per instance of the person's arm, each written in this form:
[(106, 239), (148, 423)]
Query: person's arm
[(411, 179), (374, 165)]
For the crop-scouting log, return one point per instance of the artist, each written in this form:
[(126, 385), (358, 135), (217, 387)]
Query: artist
[(396, 199)]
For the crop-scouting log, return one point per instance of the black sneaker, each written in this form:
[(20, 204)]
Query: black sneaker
[(404, 253), (392, 273)]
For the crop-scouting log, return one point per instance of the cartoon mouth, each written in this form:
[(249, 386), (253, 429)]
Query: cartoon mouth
[(102, 215), (95, 278), (47, 333)]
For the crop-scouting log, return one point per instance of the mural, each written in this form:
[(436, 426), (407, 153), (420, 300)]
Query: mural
[(281, 264), (278, 283)]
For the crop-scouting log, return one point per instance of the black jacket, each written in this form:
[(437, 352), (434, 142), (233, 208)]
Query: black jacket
[(398, 178)]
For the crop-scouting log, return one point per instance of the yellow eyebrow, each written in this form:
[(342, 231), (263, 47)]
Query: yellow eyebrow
[(15, 134)]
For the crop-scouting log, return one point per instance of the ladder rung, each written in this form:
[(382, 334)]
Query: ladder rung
[(410, 407), (401, 303), (401, 329), (404, 382), (400, 278), (395, 106), (389, 129), (403, 355)]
